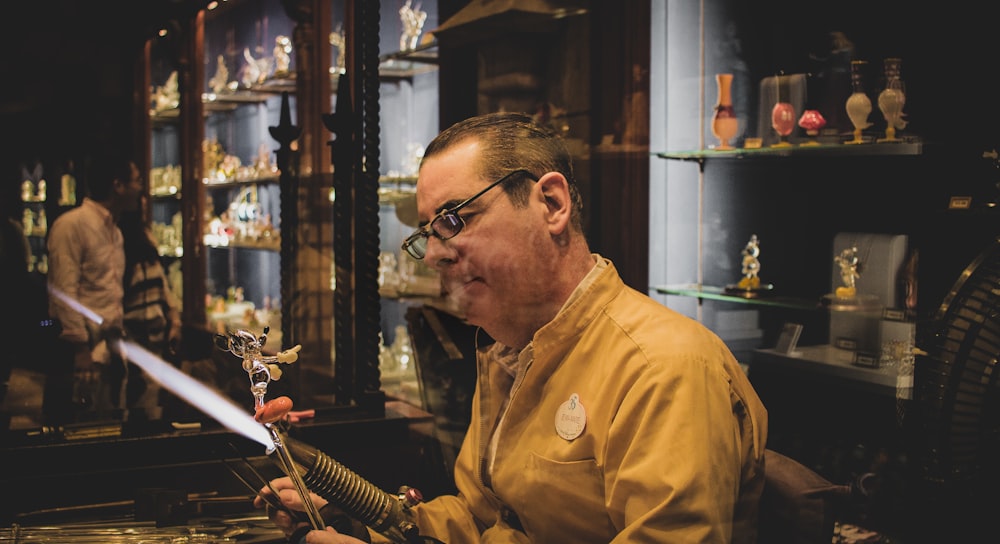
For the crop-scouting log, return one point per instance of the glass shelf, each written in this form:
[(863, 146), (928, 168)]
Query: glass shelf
[(711, 292), (406, 64), (271, 244), (165, 194), (901, 148), (263, 180), (167, 117)]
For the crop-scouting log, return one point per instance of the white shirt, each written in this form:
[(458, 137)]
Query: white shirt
[(86, 263)]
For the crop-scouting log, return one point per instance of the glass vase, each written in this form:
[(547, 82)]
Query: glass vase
[(724, 122)]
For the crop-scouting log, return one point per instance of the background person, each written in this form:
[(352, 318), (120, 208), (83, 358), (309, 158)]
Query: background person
[(151, 311), (87, 264)]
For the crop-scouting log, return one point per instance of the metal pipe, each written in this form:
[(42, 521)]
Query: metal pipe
[(388, 514)]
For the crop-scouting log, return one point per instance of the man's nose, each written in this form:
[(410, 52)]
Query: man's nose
[(438, 254)]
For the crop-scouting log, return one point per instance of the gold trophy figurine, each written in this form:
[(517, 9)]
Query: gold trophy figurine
[(847, 297), (848, 261), (751, 265)]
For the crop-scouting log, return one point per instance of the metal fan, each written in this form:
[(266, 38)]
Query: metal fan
[(956, 396)]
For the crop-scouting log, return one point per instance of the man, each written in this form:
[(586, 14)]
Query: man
[(86, 264), (600, 415)]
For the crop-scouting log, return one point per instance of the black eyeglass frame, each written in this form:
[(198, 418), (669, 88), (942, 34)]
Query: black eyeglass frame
[(418, 252)]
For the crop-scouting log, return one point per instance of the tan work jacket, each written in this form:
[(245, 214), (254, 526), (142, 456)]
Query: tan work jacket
[(632, 423)]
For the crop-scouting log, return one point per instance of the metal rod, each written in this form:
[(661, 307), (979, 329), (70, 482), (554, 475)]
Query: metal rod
[(300, 486)]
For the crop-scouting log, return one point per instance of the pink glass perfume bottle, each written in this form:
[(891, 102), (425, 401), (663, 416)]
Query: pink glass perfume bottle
[(783, 122)]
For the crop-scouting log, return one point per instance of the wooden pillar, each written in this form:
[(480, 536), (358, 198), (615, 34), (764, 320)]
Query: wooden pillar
[(191, 81)]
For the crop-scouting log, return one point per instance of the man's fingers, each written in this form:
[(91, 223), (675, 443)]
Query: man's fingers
[(330, 536)]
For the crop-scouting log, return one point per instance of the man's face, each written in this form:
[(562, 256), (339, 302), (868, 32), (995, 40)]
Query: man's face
[(488, 268), (132, 189)]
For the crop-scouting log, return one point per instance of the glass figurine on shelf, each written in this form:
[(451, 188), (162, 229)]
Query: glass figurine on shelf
[(413, 23), (812, 121), (41, 223), (28, 222), (388, 274), (282, 56), (749, 285), (849, 272), (751, 265), (220, 81), (339, 40), (27, 191), (167, 96), (255, 70), (402, 349), (67, 187)]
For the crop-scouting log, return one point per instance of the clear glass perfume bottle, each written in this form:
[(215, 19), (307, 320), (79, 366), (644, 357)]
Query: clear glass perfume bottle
[(858, 106)]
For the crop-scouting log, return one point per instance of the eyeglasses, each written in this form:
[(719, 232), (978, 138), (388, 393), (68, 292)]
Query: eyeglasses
[(447, 223)]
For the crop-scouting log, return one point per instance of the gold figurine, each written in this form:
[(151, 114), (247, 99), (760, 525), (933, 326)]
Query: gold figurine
[(751, 265)]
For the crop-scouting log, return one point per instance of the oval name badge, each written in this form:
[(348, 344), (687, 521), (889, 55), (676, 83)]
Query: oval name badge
[(571, 418)]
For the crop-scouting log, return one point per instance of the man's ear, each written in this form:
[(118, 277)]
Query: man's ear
[(554, 189)]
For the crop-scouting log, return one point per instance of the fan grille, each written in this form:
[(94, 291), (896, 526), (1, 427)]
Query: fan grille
[(955, 394)]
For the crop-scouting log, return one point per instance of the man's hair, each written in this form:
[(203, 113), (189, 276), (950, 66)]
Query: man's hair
[(103, 170), (509, 141)]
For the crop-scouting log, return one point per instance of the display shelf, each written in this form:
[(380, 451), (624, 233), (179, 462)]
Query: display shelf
[(406, 64), (834, 363), (711, 292), (170, 253), (259, 92), (229, 184), (271, 244), (425, 54), (903, 148), (397, 190), (235, 97), (165, 117), (910, 146), (165, 195), (244, 243)]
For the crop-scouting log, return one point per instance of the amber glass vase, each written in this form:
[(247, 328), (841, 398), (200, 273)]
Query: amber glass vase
[(724, 122)]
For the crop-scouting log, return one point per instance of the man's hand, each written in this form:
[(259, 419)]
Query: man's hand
[(289, 518), (287, 495), (330, 536), (285, 509), (83, 361)]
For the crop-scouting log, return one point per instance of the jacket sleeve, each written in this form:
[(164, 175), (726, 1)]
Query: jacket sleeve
[(674, 459), (446, 518)]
